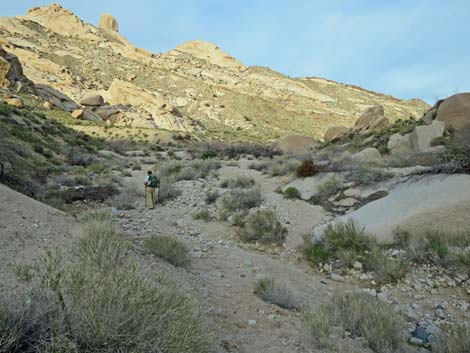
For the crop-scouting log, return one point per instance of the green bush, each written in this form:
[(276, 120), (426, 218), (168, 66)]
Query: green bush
[(263, 226), (291, 193), (339, 237), (276, 293), (362, 316), (209, 154), (169, 249)]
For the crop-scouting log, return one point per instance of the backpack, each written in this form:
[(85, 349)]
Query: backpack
[(153, 181)]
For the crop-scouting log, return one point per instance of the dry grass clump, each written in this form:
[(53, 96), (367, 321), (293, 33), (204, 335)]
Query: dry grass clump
[(203, 215), (329, 188), (365, 175), (95, 300), (264, 227), (276, 293), (384, 268), (169, 249), (361, 316), (212, 196), (454, 340)]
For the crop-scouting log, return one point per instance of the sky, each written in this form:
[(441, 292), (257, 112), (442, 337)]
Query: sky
[(406, 48)]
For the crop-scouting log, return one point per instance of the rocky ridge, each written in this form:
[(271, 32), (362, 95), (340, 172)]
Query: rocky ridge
[(195, 87)]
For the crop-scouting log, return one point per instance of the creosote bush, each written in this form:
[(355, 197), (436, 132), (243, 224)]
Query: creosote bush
[(169, 249), (274, 292), (264, 227), (362, 316)]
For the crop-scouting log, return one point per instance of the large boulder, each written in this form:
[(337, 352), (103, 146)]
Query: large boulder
[(369, 117), (335, 133), (379, 124), (296, 144), (430, 203), (368, 155), (92, 100), (422, 136), (419, 140), (455, 111), (108, 23), (4, 68)]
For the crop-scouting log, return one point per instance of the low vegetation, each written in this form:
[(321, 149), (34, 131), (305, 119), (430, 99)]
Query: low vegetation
[(240, 181), (276, 293), (237, 200), (385, 268), (307, 169), (359, 315), (454, 339), (329, 187), (169, 249), (212, 196), (95, 299), (264, 227), (338, 238), (365, 175), (291, 193), (203, 215)]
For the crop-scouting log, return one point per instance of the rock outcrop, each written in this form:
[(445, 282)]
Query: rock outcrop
[(420, 140), (296, 144), (335, 133), (368, 155), (92, 100), (372, 120), (59, 50), (455, 111), (108, 23), (11, 73), (417, 205)]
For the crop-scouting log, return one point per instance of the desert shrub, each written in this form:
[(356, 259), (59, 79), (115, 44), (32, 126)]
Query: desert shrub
[(179, 170), (238, 200), (430, 246), (291, 193), (365, 175), (456, 159), (99, 302), (339, 237), (384, 268), (169, 249), (209, 154), (276, 293), (239, 181), (282, 166), (23, 272), (137, 167), (212, 196), (362, 316), (167, 190), (203, 215), (263, 226), (454, 339), (258, 166), (123, 201), (329, 187), (234, 151), (307, 169)]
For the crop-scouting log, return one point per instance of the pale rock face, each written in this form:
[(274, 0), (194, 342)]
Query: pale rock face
[(92, 100), (417, 205), (335, 132), (369, 155), (296, 144), (4, 68), (455, 111), (108, 23), (400, 144), (422, 136), (15, 102), (369, 117)]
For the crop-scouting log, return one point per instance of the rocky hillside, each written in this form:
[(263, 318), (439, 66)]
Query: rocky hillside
[(194, 88)]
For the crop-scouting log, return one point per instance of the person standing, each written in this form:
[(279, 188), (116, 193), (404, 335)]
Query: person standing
[(151, 189)]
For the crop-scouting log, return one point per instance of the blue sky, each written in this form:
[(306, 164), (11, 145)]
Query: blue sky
[(407, 48)]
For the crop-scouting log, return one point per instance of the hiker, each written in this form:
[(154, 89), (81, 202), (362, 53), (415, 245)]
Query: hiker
[(151, 190)]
